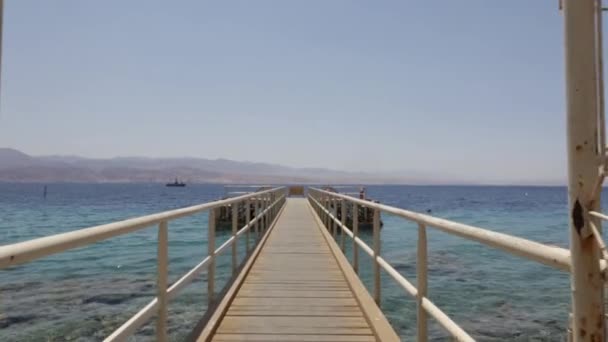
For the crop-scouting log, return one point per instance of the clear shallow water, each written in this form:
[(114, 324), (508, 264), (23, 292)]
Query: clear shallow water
[(85, 294)]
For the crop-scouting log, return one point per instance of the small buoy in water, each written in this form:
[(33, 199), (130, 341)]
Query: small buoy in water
[(428, 210), (118, 266)]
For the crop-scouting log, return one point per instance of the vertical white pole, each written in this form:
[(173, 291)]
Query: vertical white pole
[(421, 270), (355, 235), (264, 207), (268, 212), (327, 218), (235, 227), (332, 205), (161, 281), (211, 253), (275, 209), (582, 108), (600, 79), (247, 221), (258, 223), (376, 255), (327, 214), (343, 221)]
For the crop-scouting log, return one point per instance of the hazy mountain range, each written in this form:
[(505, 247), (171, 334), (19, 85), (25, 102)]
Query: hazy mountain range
[(16, 166)]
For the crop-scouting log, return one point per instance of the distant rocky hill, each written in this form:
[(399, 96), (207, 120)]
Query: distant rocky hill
[(16, 166)]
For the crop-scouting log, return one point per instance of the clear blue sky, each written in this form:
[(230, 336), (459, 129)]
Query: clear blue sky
[(467, 89)]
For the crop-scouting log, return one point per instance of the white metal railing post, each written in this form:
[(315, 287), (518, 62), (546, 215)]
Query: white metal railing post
[(267, 213), (322, 213), (326, 215), (376, 255), (343, 221), (325, 205), (270, 213), (247, 221), (274, 207), (334, 226), (582, 120), (262, 217), (421, 277), (211, 253), (321, 203), (264, 207), (161, 281), (355, 236), (320, 207), (235, 228), (330, 220), (258, 223), (600, 79), (329, 227)]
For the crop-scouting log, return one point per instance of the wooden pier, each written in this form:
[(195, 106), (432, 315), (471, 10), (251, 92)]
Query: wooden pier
[(298, 286)]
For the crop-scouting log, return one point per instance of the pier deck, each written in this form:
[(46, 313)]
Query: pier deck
[(300, 287)]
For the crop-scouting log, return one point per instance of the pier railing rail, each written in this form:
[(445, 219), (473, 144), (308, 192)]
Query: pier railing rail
[(267, 205), (325, 204)]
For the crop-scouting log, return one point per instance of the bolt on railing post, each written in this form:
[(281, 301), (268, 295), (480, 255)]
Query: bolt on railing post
[(343, 221), (587, 284), (355, 235), (211, 253), (376, 255), (235, 228), (161, 281), (421, 277), (247, 220)]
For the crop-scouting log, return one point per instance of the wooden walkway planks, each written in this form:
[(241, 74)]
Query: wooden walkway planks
[(295, 290)]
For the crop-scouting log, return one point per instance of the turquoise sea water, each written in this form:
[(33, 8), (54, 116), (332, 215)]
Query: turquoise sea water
[(83, 295)]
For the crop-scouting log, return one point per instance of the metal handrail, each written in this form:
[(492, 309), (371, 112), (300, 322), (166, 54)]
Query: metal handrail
[(320, 199), (267, 207), (549, 255), (30, 250)]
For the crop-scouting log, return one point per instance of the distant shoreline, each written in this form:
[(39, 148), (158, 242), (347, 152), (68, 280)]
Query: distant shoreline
[(160, 183)]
